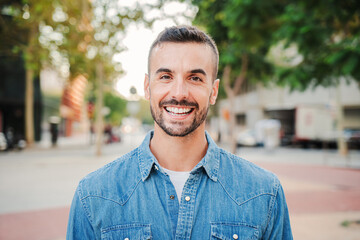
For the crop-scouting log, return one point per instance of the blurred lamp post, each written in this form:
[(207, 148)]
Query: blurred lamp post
[(133, 105)]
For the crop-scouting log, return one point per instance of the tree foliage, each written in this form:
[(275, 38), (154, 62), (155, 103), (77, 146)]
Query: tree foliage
[(117, 106), (74, 37), (20, 22), (300, 44), (242, 31), (25, 16), (326, 35)]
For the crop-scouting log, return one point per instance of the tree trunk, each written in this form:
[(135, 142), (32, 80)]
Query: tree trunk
[(99, 105), (342, 146), (233, 143), (232, 118), (29, 107), (29, 84), (232, 92)]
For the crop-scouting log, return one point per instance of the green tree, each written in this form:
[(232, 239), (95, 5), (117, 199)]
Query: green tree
[(242, 30), (109, 22), (326, 35), (21, 35), (77, 37), (117, 106), (39, 32)]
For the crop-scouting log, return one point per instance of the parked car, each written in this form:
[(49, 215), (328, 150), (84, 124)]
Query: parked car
[(8, 141), (265, 134), (3, 142), (352, 137), (246, 138), (268, 133)]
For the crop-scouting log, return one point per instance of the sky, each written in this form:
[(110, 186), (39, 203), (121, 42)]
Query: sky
[(134, 60), (137, 42)]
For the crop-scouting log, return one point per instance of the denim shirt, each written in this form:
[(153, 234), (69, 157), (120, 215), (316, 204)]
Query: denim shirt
[(225, 197)]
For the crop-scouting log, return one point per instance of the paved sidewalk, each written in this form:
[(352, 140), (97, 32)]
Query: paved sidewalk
[(49, 224), (328, 157), (322, 190), (37, 185), (320, 200)]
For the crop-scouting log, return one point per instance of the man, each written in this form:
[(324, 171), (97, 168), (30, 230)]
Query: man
[(178, 184)]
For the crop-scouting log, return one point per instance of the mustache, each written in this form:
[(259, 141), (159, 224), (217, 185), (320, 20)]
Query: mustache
[(175, 102)]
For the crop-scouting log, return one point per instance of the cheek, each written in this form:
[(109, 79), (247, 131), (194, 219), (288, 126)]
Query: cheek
[(201, 92), (202, 98), (158, 91), (155, 97)]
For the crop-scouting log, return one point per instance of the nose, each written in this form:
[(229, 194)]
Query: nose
[(179, 90)]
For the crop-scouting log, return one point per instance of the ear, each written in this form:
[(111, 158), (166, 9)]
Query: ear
[(147, 87), (214, 92)]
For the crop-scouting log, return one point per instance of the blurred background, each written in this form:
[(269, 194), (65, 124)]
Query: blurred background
[(72, 100)]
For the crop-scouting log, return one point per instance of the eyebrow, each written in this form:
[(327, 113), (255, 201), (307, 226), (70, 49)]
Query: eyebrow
[(160, 70), (199, 70)]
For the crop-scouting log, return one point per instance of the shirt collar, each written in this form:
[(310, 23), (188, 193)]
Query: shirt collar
[(210, 161)]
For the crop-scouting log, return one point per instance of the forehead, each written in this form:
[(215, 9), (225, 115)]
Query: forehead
[(182, 56)]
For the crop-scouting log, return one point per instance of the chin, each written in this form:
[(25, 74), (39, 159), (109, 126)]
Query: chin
[(183, 132)]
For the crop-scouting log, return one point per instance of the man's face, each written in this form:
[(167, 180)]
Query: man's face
[(180, 86)]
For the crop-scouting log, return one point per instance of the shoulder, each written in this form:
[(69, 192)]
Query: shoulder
[(242, 167), (236, 173), (115, 180)]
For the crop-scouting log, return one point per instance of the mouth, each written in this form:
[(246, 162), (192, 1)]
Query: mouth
[(179, 111)]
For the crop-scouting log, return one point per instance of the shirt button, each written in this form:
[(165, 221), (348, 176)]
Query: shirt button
[(172, 197), (187, 198), (156, 167), (126, 238), (235, 236)]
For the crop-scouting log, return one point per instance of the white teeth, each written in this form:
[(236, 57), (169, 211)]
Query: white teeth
[(178, 110)]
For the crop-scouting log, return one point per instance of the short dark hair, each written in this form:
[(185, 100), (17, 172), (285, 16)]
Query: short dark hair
[(185, 34)]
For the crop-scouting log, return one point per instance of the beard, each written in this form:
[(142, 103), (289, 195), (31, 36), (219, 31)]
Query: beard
[(199, 118)]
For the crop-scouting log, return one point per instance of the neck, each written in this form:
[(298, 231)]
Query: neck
[(179, 153)]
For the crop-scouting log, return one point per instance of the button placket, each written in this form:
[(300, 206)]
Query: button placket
[(172, 204), (187, 208)]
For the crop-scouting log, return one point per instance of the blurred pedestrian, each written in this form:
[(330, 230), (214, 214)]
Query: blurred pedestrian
[(92, 133), (9, 135), (108, 133), (178, 184), (54, 129)]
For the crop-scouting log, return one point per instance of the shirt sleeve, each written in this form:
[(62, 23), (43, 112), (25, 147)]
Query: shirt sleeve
[(279, 224), (79, 226)]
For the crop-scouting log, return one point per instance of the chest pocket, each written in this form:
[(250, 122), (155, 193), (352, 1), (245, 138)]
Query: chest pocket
[(127, 232), (233, 231)]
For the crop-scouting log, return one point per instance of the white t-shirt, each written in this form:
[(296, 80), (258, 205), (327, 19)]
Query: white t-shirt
[(178, 179)]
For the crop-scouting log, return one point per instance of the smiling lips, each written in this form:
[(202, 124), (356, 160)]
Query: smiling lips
[(179, 111)]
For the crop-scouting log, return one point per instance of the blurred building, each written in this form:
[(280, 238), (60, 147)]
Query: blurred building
[(304, 116), (12, 98), (69, 105), (72, 103)]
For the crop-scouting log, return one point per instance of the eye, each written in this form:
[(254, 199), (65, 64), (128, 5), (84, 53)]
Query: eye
[(165, 77), (195, 79)]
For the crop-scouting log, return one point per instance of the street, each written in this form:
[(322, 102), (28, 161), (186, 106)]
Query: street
[(37, 186)]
